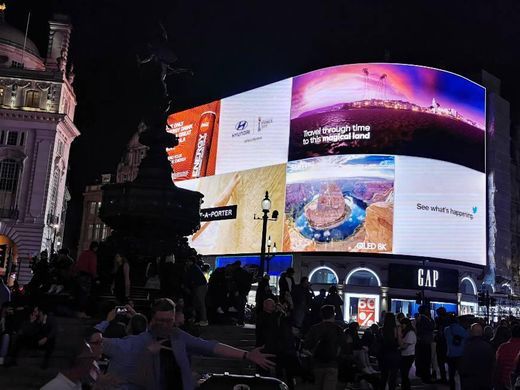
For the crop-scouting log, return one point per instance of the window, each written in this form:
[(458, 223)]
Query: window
[(94, 208), (12, 138), (1, 95), (468, 286), (363, 277), (22, 138), (89, 232), (323, 275), (106, 232), (54, 191), (98, 231), (9, 173), (32, 99), (16, 64), (2, 137)]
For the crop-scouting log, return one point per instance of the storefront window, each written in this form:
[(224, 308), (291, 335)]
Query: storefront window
[(363, 277), (468, 308), (467, 286), (410, 307), (323, 275), (450, 307), (362, 308)]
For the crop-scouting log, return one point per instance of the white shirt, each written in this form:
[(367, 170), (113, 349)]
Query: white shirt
[(61, 382), (409, 340)]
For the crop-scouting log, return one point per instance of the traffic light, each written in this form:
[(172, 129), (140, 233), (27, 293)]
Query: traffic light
[(481, 299)]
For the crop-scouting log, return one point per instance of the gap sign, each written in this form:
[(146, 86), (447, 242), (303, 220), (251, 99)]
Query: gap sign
[(429, 278)]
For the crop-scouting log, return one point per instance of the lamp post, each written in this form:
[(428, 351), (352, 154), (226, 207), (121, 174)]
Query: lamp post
[(266, 207)]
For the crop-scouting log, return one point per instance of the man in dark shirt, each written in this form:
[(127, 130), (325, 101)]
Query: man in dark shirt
[(478, 362), (423, 349), (196, 282), (326, 340), (38, 332)]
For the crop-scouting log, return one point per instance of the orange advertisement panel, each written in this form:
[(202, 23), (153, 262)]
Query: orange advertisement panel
[(366, 312), (197, 131)]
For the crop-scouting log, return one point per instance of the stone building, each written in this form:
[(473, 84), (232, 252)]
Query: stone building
[(37, 104), (92, 227)]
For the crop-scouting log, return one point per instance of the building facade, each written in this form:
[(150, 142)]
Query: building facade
[(37, 104), (92, 227)]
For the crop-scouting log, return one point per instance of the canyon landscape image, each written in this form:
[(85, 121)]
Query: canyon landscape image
[(348, 209)]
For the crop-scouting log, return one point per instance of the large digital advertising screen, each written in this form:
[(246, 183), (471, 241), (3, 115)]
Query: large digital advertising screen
[(364, 158)]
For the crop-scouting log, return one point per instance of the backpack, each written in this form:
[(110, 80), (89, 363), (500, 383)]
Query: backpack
[(327, 348)]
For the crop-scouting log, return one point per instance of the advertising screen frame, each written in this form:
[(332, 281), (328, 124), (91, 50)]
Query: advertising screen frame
[(406, 257)]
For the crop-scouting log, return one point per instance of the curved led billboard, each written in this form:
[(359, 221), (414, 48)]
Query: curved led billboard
[(366, 158)]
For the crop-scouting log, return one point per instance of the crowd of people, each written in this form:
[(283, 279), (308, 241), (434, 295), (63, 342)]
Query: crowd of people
[(317, 349), (113, 354), (301, 337)]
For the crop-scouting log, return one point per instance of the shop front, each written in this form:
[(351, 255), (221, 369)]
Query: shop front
[(362, 297), (409, 283), (468, 297)]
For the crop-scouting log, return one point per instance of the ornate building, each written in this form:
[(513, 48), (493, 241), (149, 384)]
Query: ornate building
[(92, 227), (37, 104)]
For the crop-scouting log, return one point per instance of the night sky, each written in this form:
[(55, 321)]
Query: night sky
[(233, 46)]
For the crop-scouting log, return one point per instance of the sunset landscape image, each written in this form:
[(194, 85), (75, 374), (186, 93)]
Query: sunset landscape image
[(409, 110)]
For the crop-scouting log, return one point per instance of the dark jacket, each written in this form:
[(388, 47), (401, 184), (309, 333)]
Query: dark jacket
[(284, 285), (326, 330), (336, 301), (194, 277), (274, 331), (424, 326), (477, 364)]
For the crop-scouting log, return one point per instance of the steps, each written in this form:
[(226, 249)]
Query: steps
[(24, 273), (28, 375), (238, 337)]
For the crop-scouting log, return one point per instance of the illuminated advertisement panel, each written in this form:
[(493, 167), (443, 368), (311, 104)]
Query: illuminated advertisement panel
[(234, 198), (365, 158), (197, 132)]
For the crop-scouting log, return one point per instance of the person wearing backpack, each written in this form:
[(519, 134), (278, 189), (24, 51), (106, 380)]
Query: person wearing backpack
[(326, 340), (456, 337)]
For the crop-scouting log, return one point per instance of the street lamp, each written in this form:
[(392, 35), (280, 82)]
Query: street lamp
[(266, 207)]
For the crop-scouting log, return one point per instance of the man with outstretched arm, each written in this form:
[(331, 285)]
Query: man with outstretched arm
[(160, 357)]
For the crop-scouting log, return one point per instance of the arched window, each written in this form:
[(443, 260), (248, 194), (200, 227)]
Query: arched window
[(468, 286), (363, 277), (9, 173), (323, 275), (32, 99)]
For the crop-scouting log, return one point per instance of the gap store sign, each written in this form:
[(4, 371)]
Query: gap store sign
[(428, 278)]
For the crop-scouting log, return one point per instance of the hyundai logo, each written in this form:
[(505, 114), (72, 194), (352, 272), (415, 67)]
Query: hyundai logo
[(241, 125)]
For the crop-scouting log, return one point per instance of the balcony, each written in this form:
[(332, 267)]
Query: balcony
[(9, 213)]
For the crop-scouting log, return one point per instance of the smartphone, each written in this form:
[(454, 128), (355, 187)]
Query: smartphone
[(121, 310)]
